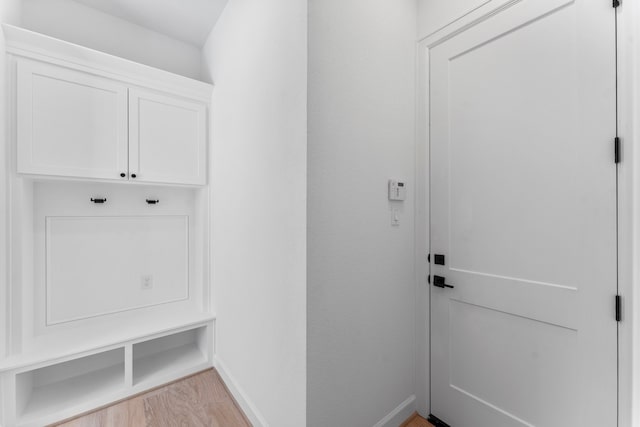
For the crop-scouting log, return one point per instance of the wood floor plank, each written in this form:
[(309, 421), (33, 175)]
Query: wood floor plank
[(198, 401), (135, 411), (216, 384), (416, 420)]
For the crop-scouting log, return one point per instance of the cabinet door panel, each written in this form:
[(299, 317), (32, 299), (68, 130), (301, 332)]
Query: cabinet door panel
[(70, 123), (167, 137)]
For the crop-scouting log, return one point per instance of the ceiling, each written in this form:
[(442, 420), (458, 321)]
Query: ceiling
[(190, 21)]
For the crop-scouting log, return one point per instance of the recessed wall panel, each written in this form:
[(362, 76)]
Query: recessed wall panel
[(102, 265)]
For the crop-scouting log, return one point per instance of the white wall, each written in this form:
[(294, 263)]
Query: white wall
[(79, 24), (257, 57), (361, 285), (9, 13)]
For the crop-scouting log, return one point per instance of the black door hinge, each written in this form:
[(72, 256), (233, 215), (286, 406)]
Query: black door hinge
[(616, 3), (429, 279), (437, 422), (616, 149), (618, 308)]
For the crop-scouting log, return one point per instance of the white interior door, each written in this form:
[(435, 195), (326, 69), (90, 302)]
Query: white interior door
[(523, 206)]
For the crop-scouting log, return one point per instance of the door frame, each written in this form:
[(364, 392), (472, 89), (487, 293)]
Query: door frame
[(628, 35), (628, 14)]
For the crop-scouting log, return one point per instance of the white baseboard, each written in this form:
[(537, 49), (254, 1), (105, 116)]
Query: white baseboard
[(247, 406), (400, 414), (393, 419)]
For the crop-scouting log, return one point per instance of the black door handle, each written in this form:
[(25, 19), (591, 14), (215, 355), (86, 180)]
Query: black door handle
[(438, 281)]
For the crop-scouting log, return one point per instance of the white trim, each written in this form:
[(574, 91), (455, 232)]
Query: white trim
[(241, 397), (463, 23), (628, 205), (13, 342), (28, 44), (421, 242), (5, 153), (400, 414)]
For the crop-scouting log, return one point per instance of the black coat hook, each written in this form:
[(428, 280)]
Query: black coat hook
[(153, 202), (100, 201)]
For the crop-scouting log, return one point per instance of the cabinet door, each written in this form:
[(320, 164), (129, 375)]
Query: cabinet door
[(167, 138), (70, 123)]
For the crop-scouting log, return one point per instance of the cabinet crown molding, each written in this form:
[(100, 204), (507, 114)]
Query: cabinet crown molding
[(29, 44)]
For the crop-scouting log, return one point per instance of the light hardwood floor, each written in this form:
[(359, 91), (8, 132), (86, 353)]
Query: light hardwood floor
[(198, 401), (416, 421), (201, 400)]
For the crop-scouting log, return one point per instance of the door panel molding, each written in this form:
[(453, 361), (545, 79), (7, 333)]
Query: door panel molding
[(474, 17)]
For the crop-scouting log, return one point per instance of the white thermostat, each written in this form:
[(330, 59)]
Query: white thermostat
[(397, 190)]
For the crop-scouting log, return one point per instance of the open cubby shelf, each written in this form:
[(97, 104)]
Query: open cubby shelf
[(51, 393), (172, 353), (68, 384)]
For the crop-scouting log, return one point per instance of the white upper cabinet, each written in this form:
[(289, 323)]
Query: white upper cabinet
[(70, 123), (84, 114), (167, 138)]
